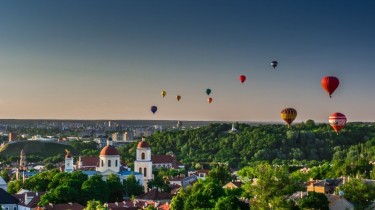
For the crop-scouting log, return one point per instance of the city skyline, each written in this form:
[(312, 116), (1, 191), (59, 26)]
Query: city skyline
[(111, 60)]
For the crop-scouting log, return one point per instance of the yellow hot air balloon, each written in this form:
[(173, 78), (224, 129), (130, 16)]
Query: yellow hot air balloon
[(163, 93), (178, 97), (288, 115)]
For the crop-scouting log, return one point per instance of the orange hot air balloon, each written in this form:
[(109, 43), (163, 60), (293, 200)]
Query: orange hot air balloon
[(337, 121), (329, 84), (242, 78), (209, 100), (178, 97), (163, 93), (288, 115)]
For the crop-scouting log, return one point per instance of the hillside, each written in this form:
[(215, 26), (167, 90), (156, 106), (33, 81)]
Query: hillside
[(43, 149)]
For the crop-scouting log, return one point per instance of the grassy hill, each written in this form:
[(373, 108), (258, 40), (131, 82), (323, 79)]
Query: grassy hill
[(43, 149)]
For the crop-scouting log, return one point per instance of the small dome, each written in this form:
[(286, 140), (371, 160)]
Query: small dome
[(143, 144), (109, 150), (68, 155)]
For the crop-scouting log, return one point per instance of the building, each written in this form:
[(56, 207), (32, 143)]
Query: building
[(63, 206), (12, 137), (28, 200), (326, 186), (233, 185), (166, 161), (22, 165), (3, 184), (7, 201), (143, 162), (106, 164)]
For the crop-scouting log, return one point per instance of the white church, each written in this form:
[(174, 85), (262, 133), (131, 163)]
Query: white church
[(109, 163)]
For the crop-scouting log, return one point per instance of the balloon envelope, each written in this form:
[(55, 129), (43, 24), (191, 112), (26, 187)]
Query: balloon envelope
[(274, 64), (178, 97), (154, 109), (209, 100), (288, 115), (242, 78), (163, 93), (337, 121), (208, 91), (329, 84)]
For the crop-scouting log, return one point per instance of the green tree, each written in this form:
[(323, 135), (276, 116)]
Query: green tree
[(116, 190), (359, 193), (15, 186), (95, 189), (94, 205), (313, 200), (4, 175), (228, 203), (221, 173), (132, 187)]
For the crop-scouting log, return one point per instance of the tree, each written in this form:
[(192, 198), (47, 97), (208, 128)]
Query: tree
[(359, 193), (132, 187), (4, 175), (314, 200), (221, 174), (116, 190), (95, 189), (94, 205), (228, 203)]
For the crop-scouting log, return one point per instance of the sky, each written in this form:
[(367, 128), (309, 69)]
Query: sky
[(78, 59)]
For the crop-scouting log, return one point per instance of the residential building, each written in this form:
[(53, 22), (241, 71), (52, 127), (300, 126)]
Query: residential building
[(3, 184), (7, 201)]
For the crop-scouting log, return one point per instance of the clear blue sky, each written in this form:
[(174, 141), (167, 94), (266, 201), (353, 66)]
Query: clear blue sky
[(78, 59)]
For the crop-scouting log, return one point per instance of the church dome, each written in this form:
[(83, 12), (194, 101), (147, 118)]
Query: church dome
[(143, 144), (68, 155), (109, 150)]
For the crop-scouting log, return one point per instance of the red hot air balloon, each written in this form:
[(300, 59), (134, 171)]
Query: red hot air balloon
[(337, 121), (154, 109), (330, 83), (242, 78), (209, 100)]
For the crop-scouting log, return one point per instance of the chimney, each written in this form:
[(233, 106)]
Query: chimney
[(51, 204), (116, 203)]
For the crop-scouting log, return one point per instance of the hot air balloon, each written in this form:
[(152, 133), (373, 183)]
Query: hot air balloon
[(163, 93), (208, 91), (154, 109), (288, 115), (242, 78), (209, 100), (330, 83), (337, 121), (178, 97), (274, 64)]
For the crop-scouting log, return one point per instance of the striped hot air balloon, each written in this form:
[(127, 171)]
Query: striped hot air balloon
[(288, 115), (337, 121)]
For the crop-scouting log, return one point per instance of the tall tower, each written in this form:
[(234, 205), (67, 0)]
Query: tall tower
[(143, 163), (68, 162), (22, 161)]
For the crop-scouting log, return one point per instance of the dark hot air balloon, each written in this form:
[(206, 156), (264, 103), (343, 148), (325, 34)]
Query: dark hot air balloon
[(242, 78), (208, 91), (330, 83), (154, 109), (274, 64), (178, 97), (288, 115), (209, 100), (337, 121)]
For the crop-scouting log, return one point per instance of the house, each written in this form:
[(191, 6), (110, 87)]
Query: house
[(337, 202), (3, 184), (233, 185), (125, 205), (155, 195), (7, 201), (201, 174), (87, 163), (28, 200), (166, 161), (63, 206), (326, 186)]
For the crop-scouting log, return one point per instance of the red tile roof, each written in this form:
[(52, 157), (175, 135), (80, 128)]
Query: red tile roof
[(109, 150), (64, 206), (159, 159), (89, 161), (143, 144), (154, 195)]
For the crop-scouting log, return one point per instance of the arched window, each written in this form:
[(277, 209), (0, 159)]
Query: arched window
[(143, 156), (145, 172), (140, 170), (102, 163), (109, 163), (116, 163)]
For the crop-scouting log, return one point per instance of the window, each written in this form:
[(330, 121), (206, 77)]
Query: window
[(116, 163), (140, 170), (145, 172), (109, 163), (14, 208), (143, 156), (102, 163)]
